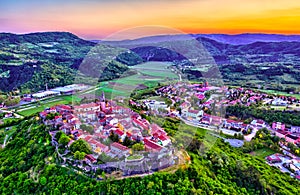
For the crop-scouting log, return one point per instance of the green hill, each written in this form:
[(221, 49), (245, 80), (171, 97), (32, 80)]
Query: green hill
[(29, 165)]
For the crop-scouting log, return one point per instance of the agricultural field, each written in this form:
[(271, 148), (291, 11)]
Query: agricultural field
[(156, 69), (148, 75), (280, 93)]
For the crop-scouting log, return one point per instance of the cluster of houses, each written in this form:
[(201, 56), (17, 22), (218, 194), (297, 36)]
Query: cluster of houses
[(107, 118), (291, 134), (183, 92), (248, 97), (285, 163), (180, 90)]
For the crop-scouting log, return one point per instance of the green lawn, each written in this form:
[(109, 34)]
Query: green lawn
[(134, 157), (36, 107), (70, 98), (263, 153), (39, 108)]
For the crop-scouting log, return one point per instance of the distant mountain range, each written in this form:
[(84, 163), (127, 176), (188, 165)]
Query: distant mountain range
[(238, 39), (244, 39), (32, 60)]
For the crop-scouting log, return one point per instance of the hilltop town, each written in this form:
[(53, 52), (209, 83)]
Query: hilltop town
[(109, 130)]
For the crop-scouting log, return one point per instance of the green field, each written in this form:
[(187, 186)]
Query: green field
[(148, 74), (263, 153), (39, 108), (36, 107), (156, 69), (125, 86), (280, 93)]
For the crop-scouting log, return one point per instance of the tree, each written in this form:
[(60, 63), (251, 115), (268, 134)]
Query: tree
[(79, 155), (64, 140), (58, 135), (127, 141), (51, 116), (81, 146), (88, 128), (138, 147), (43, 181), (114, 137)]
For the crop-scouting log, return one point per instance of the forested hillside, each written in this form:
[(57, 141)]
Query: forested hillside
[(30, 61), (29, 166)]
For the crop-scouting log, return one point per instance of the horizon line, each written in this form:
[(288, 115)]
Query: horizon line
[(152, 35)]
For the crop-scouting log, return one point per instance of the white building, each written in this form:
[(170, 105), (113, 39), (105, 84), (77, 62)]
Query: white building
[(195, 114), (155, 105), (279, 102)]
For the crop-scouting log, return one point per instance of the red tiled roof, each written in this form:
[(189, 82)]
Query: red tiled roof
[(87, 138), (260, 122), (119, 132), (90, 157), (92, 141), (86, 106), (65, 107), (57, 117), (163, 138), (119, 146), (102, 146), (151, 145), (140, 123), (128, 134), (43, 113)]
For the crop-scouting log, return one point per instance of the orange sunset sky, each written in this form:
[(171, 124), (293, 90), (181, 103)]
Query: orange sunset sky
[(93, 19)]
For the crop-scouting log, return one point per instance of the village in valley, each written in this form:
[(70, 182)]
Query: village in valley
[(203, 106)]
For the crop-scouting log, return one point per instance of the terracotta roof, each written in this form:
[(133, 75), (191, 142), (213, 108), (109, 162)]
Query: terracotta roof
[(119, 132), (87, 138), (102, 146), (86, 106), (90, 158), (119, 146), (163, 138), (151, 145)]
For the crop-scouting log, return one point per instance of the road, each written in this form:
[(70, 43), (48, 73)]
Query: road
[(16, 115), (211, 128), (251, 135)]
